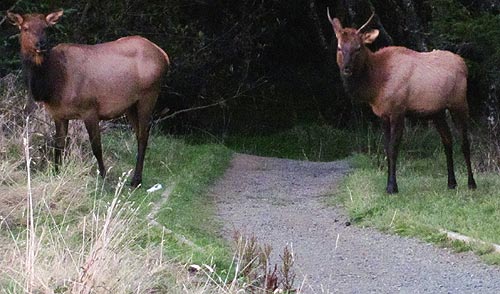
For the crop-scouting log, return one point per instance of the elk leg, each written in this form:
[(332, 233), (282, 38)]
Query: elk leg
[(386, 124), (92, 126), (460, 121), (132, 118), (447, 140), (396, 132), (60, 141), (143, 117)]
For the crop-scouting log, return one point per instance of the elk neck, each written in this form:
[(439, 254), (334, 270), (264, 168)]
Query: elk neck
[(359, 85), (38, 76)]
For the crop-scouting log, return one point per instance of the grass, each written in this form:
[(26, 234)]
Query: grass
[(82, 234), (308, 142), (424, 205), (186, 171), (84, 225), (71, 231)]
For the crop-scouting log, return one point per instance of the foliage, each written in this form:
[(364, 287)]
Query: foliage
[(476, 36), (262, 66), (311, 142), (238, 57)]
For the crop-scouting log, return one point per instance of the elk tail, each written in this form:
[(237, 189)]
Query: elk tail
[(165, 55), (167, 59)]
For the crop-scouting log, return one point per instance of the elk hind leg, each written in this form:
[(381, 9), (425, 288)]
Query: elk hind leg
[(460, 120), (447, 140), (92, 126), (60, 141), (143, 115)]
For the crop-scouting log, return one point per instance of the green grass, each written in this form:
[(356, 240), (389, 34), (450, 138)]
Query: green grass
[(71, 206), (314, 143), (188, 169), (424, 204), (188, 230)]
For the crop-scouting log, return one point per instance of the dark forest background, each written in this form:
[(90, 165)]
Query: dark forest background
[(265, 65)]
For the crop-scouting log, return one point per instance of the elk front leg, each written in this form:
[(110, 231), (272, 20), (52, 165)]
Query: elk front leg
[(92, 126), (60, 141), (395, 132)]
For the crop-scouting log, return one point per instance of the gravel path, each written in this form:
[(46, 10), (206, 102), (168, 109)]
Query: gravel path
[(280, 202)]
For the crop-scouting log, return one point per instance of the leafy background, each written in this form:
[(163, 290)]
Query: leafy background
[(267, 65)]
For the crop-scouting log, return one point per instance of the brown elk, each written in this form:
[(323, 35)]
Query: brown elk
[(397, 81), (92, 82)]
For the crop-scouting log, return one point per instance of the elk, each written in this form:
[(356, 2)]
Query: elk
[(91, 83), (396, 82)]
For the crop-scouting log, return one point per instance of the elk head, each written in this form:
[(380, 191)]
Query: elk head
[(351, 49), (32, 37)]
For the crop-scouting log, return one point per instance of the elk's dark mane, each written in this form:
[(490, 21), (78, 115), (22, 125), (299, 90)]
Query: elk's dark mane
[(358, 85), (38, 80)]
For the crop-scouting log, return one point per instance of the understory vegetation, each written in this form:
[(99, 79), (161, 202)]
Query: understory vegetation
[(255, 77), (167, 240), (72, 232)]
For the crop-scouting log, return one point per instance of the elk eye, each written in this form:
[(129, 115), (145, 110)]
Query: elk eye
[(339, 48)]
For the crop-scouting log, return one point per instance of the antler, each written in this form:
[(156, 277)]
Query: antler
[(328, 14), (366, 23)]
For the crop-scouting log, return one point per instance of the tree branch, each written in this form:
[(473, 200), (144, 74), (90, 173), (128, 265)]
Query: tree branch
[(238, 94)]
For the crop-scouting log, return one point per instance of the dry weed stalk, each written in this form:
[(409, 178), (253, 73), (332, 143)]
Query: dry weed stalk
[(30, 232), (287, 273), (253, 271), (107, 260)]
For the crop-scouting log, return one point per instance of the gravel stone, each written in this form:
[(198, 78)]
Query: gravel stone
[(280, 201)]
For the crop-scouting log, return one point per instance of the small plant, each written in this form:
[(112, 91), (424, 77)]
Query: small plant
[(256, 269), (287, 274)]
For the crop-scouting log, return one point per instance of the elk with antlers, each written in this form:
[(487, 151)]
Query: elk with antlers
[(92, 82), (397, 81)]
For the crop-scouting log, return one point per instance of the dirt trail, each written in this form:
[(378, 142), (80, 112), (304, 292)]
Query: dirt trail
[(281, 202)]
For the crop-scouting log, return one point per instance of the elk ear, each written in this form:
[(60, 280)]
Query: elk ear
[(337, 27), (15, 19), (370, 36), (54, 17)]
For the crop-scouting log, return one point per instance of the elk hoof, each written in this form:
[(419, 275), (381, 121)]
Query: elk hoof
[(392, 189), (135, 182), (452, 185), (472, 185)]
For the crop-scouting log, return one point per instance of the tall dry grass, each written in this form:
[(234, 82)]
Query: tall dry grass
[(66, 233), (57, 190), (57, 235)]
